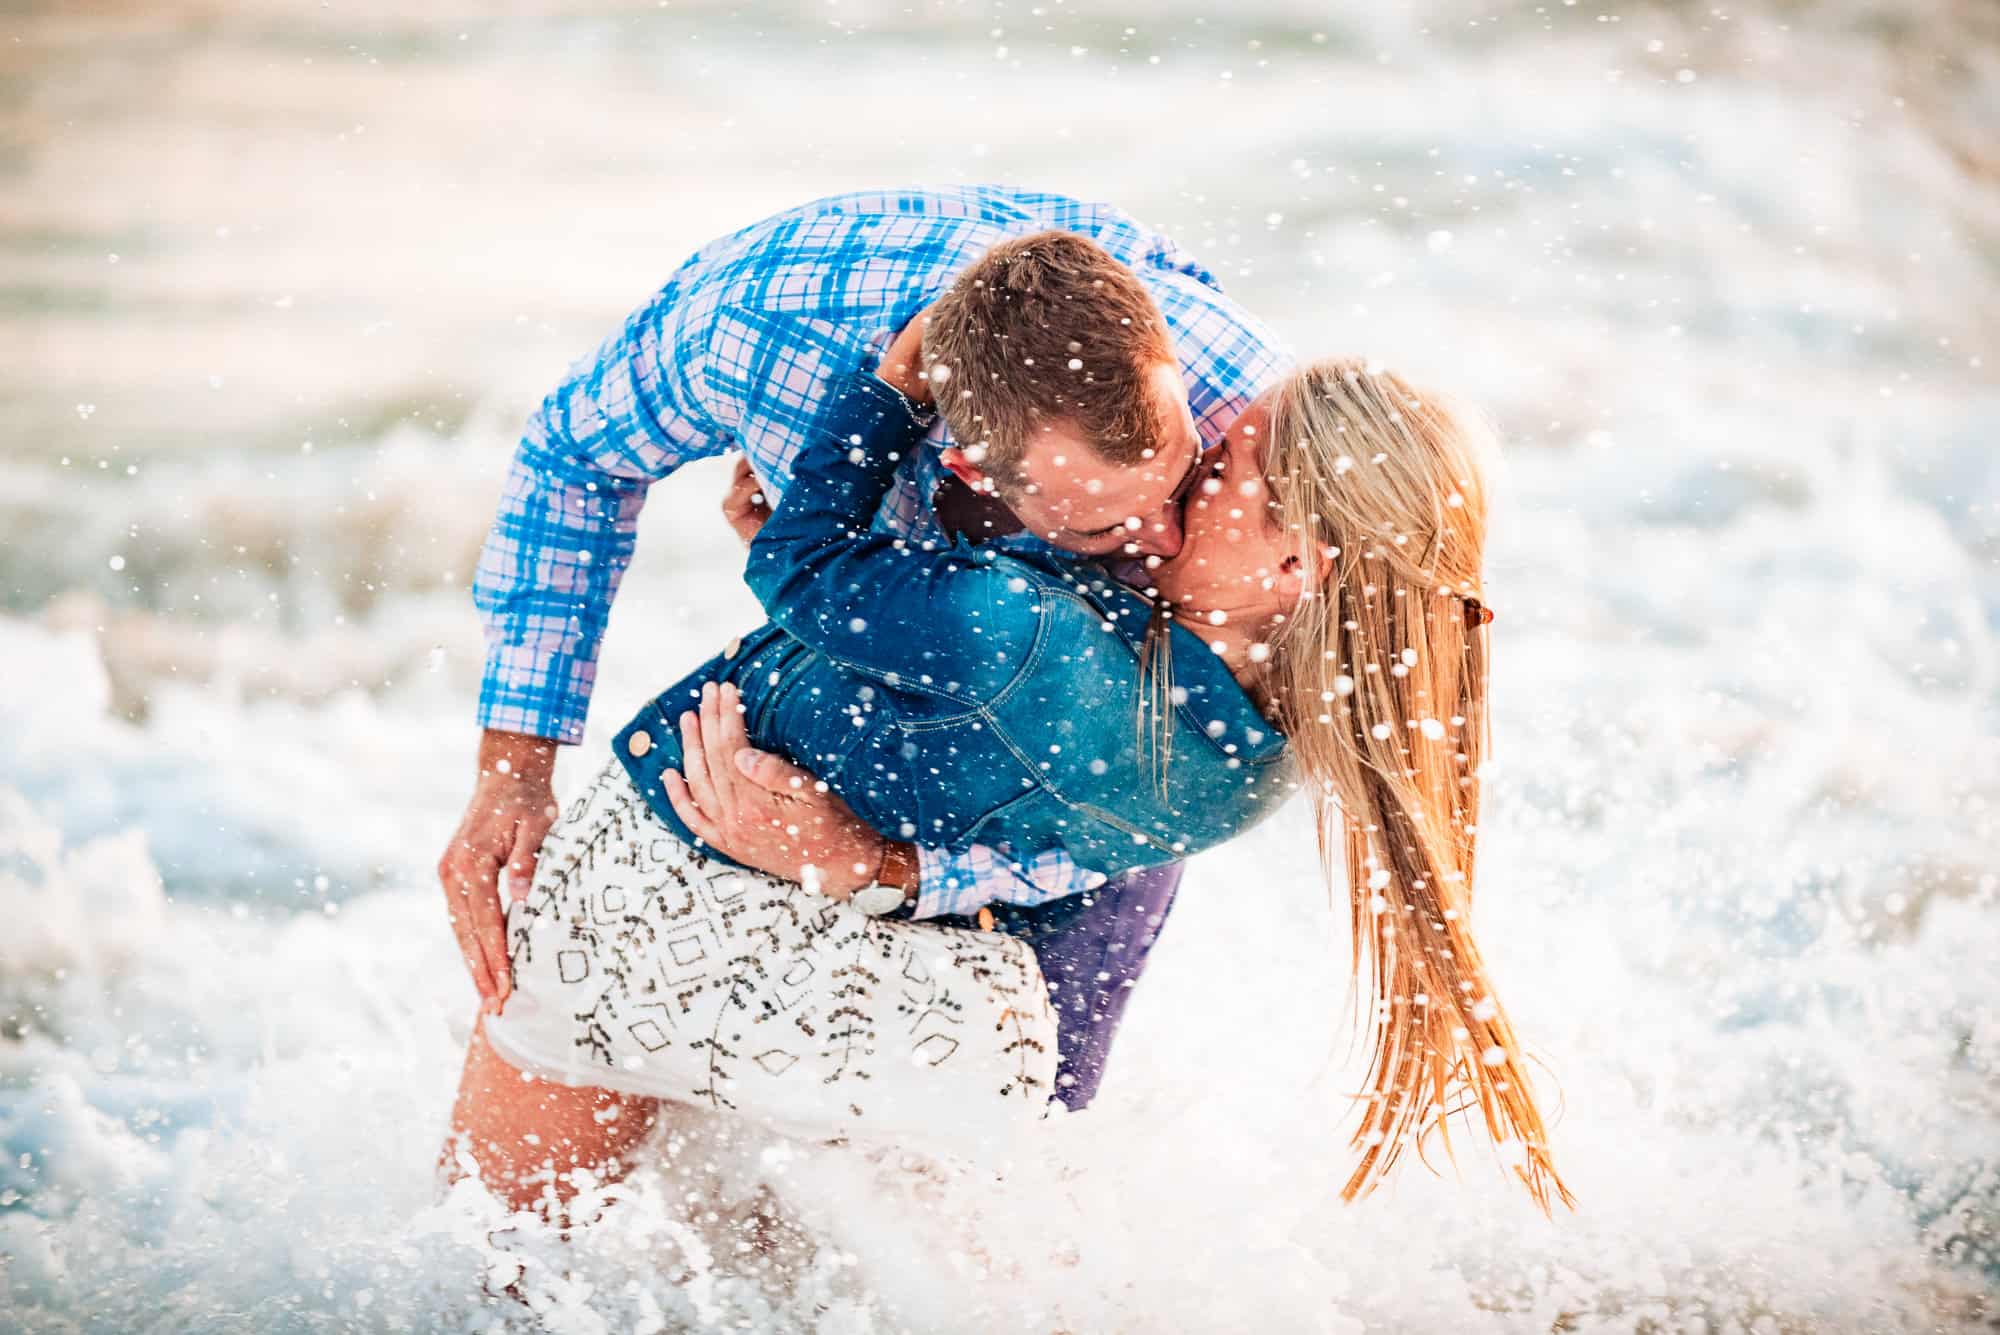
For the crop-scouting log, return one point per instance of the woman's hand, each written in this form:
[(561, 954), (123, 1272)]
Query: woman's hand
[(744, 505), (764, 811), (902, 367)]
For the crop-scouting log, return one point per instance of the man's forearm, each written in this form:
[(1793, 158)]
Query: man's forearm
[(525, 758)]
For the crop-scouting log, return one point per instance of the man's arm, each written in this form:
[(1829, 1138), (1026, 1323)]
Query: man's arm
[(561, 541), (765, 812), (568, 517)]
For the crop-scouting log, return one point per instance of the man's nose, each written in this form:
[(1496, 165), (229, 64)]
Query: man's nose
[(1161, 535)]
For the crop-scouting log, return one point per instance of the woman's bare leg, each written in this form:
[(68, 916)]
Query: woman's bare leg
[(528, 1135)]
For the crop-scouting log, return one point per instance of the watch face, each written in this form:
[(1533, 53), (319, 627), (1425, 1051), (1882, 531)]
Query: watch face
[(876, 900)]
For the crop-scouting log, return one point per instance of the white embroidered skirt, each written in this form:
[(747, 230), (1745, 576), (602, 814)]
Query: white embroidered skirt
[(645, 966)]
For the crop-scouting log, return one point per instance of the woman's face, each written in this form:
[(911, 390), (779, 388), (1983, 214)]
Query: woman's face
[(1236, 557)]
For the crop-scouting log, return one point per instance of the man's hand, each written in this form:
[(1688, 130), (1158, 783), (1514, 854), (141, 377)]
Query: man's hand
[(512, 808), (764, 811), (902, 367), (744, 505)]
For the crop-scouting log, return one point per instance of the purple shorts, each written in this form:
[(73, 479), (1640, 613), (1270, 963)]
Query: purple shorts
[(1092, 948)]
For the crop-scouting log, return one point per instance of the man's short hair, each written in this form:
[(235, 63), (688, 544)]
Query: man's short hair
[(1042, 329)]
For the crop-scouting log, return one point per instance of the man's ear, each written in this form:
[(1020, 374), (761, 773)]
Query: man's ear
[(963, 468)]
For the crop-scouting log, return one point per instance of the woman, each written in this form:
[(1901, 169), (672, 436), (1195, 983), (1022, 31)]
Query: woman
[(1326, 594)]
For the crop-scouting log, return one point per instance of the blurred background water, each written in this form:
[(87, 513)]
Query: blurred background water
[(279, 281)]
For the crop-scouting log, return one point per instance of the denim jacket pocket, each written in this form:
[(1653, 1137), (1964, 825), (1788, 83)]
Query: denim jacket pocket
[(984, 828), (1096, 839)]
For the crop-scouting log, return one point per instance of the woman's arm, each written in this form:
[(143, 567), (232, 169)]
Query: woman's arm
[(951, 619), (903, 610)]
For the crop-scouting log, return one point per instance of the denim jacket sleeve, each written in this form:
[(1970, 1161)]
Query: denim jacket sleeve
[(957, 620)]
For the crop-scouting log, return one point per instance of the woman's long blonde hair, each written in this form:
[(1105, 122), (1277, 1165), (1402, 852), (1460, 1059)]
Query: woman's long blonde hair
[(1379, 679)]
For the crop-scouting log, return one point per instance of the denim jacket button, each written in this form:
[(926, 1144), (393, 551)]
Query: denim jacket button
[(639, 743)]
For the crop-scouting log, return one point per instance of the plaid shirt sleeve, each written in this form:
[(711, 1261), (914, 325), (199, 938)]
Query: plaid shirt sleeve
[(963, 883), (621, 420), (1228, 357)]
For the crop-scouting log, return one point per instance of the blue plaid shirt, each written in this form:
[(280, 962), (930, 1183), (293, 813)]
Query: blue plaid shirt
[(735, 352)]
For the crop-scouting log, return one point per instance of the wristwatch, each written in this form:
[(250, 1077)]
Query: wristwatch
[(876, 900), (896, 882)]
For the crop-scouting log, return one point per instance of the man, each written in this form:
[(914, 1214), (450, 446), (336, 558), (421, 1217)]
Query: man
[(1061, 400)]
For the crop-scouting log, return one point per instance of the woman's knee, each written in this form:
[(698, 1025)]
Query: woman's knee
[(517, 1125)]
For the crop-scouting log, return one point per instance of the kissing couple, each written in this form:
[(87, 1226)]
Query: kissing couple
[(1071, 574)]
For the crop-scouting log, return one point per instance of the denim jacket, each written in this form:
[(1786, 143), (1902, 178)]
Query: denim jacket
[(959, 695)]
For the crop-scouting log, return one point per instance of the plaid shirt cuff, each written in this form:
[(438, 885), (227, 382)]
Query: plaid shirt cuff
[(944, 889), (540, 695), (960, 884)]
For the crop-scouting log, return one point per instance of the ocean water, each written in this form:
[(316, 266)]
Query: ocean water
[(278, 282)]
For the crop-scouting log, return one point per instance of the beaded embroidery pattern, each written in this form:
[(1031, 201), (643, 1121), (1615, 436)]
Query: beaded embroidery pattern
[(675, 974)]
